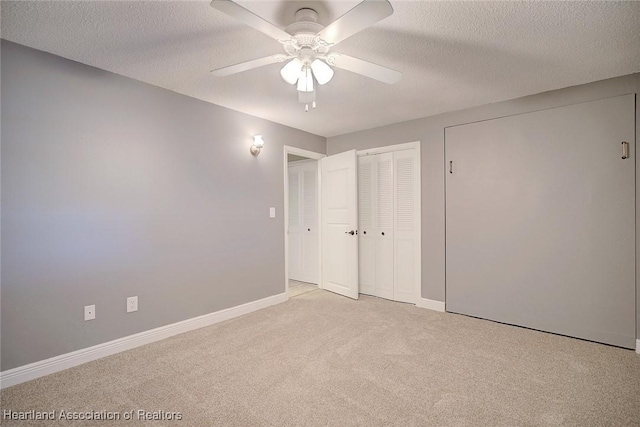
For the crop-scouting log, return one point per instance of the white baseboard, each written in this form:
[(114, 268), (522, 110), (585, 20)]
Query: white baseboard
[(431, 304), (638, 346), (58, 363)]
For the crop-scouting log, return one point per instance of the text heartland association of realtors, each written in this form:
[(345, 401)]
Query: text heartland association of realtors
[(138, 415)]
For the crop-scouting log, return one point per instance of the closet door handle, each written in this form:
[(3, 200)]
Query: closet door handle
[(625, 150), (350, 232), (308, 229), (383, 233)]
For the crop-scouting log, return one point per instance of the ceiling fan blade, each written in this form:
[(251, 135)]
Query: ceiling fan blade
[(245, 16), (249, 65), (357, 19), (358, 66)]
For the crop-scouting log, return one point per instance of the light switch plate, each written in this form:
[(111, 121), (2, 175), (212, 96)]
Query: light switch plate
[(272, 212)]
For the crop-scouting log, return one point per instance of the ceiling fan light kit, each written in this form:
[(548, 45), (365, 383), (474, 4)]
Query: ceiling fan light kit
[(305, 81), (291, 71), (307, 44), (321, 71)]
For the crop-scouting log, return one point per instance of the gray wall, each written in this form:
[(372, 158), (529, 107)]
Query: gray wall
[(430, 131), (113, 188)]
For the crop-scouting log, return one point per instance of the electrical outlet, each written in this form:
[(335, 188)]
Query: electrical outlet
[(132, 304), (89, 312)]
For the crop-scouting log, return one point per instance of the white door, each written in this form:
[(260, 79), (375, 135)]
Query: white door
[(406, 218), (540, 220), (303, 221), (295, 224), (384, 230), (309, 259), (375, 210), (389, 224), (340, 224), (367, 228)]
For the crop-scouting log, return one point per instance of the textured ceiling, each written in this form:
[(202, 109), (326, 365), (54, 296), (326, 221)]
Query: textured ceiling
[(453, 55)]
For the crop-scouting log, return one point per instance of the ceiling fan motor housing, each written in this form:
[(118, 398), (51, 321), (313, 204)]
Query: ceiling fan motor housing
[(304, 32)]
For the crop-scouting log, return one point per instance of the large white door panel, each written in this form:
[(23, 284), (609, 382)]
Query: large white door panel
[(337, 270), (540, 220), (310, 196), (384, 267), (295, 252), (367, 268), (303, 221), (389, 224), (406, 225), (295, 225), (309, 229), (405, 271), (384, 226), (310, 256), (339, 220), (366, 224)]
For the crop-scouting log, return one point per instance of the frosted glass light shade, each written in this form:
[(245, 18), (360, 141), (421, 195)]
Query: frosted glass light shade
[(322, 72), (291, 71), (258, 141), (305, 81)]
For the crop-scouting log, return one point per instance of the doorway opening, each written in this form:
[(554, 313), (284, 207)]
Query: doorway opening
[(376, 190), (302, 221)]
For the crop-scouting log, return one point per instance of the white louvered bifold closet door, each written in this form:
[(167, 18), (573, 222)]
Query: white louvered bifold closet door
[(406, 242), (384, 231), (388, 198), (366, 224)]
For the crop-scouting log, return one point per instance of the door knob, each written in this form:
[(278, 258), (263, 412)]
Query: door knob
[(383, 233), (308, 229), (364, 232), (350, 232)]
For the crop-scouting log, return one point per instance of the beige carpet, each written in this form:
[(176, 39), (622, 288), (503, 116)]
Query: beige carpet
[(298, 288), (321, 359)]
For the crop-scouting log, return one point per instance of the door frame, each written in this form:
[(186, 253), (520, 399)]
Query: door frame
[(415, 145), (312, 155)]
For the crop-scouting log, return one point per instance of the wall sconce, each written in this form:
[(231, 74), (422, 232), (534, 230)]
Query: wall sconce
[(258, 143)]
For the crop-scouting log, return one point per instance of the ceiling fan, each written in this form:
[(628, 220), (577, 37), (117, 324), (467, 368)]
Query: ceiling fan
[(307, 46)]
